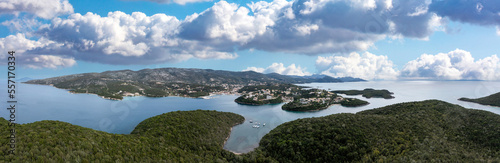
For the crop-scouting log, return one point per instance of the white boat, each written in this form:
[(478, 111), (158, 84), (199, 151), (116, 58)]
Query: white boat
[(251, 121), (264, 124)]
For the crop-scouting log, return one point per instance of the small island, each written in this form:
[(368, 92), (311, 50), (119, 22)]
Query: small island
[(493, 100), (353, 102), (368, 93)]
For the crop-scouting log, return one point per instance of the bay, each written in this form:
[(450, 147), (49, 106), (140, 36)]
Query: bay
[(39, 102)]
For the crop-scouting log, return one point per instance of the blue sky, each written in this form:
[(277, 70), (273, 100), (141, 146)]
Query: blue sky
[(370, 39)]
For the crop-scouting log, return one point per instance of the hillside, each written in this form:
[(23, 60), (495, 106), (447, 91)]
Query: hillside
[(427, 131), (493, 100), (183, 136), (170, 82)]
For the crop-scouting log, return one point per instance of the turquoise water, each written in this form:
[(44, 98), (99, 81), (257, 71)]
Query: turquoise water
[(38, 102)]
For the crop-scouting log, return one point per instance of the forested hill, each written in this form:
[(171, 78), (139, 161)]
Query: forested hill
[(183, 75), (187, 136), (427, 131)]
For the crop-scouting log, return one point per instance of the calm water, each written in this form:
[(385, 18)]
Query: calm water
[(37, 102)]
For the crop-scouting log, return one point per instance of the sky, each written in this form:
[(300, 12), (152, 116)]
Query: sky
[(369, 39)]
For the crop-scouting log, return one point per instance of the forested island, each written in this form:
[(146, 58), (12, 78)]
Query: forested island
[(493, 100), (164, 82), (426, 131), (367, 93)]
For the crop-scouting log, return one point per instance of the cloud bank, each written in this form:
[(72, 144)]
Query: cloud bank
[(366, 66), (181, 2), (308, 27), (281, 69), (454, 65), (45, 9)]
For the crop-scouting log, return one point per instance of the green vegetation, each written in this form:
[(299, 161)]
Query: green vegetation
[(248, 101), (427, 131), (368, 93), (183, 136), (353, 102), (493, 100), (311, 106)]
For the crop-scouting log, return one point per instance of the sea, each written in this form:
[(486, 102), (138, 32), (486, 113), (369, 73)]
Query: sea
[(42, 102)]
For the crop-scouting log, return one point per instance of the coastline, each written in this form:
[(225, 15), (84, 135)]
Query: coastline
[(227, 138), (115, 99)]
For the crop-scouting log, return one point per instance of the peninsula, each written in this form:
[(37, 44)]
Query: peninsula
[(493, 100)]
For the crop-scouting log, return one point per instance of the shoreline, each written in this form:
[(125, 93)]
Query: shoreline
[(227, 138), (114, 99)]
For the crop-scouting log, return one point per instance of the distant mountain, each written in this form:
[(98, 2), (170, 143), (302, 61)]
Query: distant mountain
[(170, 82), (182, 75)]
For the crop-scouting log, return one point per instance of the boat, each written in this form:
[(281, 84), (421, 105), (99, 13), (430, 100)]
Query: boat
[(264, 124), (255, 126), (251, 121)]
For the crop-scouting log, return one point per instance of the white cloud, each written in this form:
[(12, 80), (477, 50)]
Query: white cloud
[(281, 69), (454, 65), (48, 61), (308, 27), (21, 45), (498, 31), (181, 2), (45, 9), (366, 66)]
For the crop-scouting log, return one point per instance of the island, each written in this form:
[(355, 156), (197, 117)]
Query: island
[(368, 93), (353, 102), (182, 82), (424, 131), (493, 100)]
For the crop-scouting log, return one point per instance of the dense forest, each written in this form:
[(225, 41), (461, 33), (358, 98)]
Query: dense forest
[(182, 136), (353, 102), (428, 131), (368, 93), (493, 100)]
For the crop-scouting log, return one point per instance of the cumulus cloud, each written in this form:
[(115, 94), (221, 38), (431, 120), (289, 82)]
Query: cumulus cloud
[(45, 9), (281, 69), (20, 44), (366, 66), (498, 31), (47, 61), (454, 65), (475, 12), (181, 2), (306, 26), (301, 27), (121, 38)]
